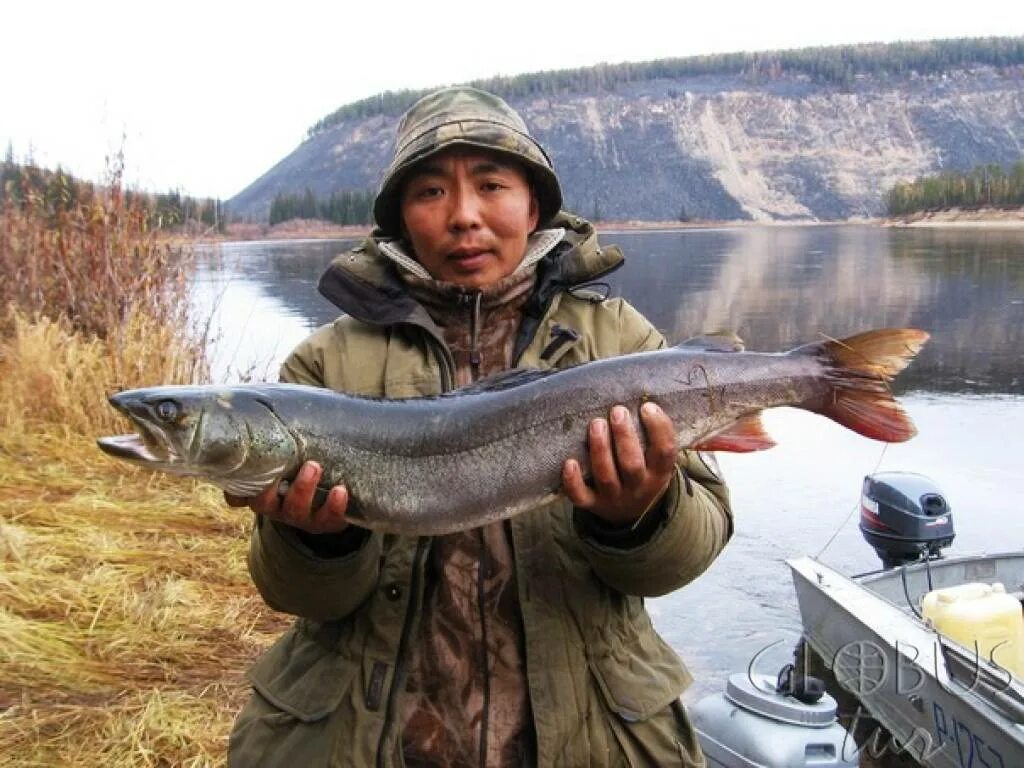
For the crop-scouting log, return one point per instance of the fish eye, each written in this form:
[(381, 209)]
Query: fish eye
[(167, 410)]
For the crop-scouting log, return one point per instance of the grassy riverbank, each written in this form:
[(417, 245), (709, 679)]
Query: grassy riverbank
[(126, 614)]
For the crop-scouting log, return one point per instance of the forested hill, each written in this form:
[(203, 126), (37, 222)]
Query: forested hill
[(817, 133)]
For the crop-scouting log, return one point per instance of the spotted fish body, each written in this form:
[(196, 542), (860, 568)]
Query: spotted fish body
[(434, 465)]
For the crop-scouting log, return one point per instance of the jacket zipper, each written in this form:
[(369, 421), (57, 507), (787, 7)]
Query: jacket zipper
[(474, 369), (485, 716), (398, 680), (447, 366), (474, 331)]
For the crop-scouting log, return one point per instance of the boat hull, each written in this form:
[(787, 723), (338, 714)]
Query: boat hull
[(945, 708)]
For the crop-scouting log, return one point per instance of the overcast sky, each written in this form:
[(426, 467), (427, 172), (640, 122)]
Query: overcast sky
[(206, 96)]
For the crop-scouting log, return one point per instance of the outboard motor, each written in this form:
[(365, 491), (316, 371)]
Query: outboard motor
[(904, 517), (759, 722)]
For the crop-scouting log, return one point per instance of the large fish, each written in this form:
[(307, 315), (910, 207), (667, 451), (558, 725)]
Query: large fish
[(433, 465)]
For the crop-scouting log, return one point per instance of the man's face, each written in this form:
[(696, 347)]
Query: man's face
[(468, 214)]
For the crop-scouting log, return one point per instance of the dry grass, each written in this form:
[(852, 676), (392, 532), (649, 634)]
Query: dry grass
[(126, 614), (57, 377)]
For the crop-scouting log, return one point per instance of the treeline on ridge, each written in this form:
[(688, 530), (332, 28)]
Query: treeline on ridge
[(348, 206), (835, 65), (987, 186), (56, 191)]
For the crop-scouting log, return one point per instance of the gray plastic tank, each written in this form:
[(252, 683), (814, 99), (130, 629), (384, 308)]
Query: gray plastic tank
[(752, 726)]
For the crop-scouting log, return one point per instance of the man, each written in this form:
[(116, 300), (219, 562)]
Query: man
[(523, 642)]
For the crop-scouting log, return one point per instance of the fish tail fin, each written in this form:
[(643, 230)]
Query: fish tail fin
[(859, 369)]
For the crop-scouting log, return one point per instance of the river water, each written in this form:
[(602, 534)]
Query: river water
[(776, 287)]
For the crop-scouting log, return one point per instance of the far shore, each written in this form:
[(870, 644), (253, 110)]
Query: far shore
[(954, 218)]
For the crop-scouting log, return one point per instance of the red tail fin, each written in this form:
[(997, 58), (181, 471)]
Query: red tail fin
[(859, 370)]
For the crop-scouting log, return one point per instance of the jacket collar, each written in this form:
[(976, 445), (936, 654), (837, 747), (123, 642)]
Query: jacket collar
[(537, 247), (364, 282)]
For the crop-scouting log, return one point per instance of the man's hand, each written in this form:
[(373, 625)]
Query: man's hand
[(296, 508), (626, 481)]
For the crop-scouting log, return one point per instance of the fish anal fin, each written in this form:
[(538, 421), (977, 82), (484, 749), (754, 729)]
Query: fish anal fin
[(742, 436)]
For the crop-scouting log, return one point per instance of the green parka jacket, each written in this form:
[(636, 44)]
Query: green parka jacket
[(603, 686)]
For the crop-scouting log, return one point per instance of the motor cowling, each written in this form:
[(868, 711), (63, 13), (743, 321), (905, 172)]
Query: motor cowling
[(905, 517)]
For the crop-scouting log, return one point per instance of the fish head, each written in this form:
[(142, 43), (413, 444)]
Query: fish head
[(230, 436)]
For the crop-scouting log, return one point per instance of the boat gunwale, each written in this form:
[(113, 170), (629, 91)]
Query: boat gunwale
[(892, 629)]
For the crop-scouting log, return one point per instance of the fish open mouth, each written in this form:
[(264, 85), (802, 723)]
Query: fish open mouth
[(147, 446), (132, 447)]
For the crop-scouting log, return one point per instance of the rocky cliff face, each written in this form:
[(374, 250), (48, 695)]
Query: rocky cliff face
[(719, 147)]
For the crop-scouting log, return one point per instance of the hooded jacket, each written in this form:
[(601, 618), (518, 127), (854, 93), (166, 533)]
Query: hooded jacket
[(603, 686)]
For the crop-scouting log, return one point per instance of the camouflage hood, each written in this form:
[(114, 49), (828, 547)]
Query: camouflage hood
[(469, 117)]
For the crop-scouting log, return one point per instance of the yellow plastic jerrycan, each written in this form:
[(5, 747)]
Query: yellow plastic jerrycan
[(981, 614)]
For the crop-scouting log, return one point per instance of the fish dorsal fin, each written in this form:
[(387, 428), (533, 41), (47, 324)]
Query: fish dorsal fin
[(743, 436), (716, 341), (517, 377)]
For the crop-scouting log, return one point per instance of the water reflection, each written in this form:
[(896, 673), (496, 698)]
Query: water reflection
[(261, 301), (775, 286), (778, 287)]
